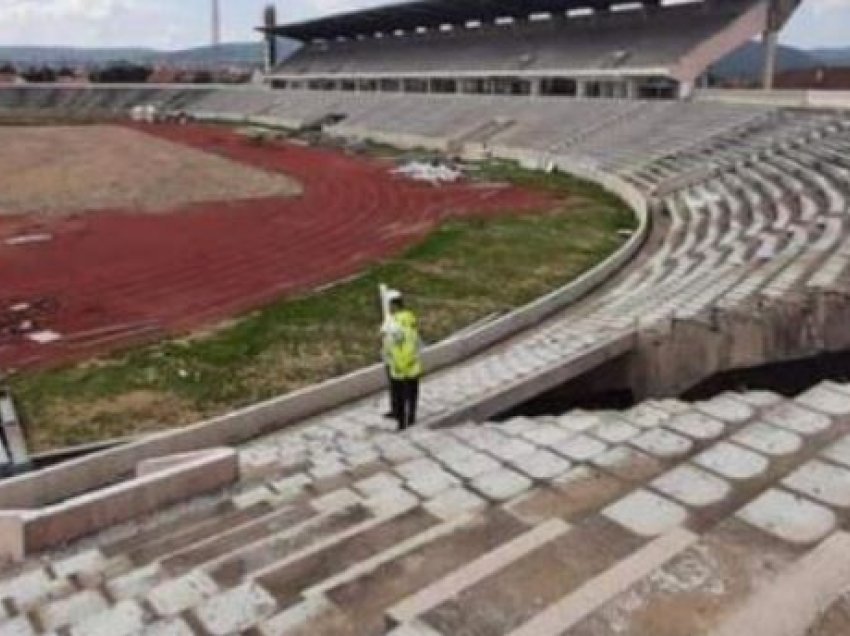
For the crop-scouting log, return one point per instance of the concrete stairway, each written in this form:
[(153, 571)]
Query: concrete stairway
[(667, 518)]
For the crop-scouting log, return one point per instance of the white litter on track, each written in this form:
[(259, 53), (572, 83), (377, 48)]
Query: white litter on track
[(434, 174)]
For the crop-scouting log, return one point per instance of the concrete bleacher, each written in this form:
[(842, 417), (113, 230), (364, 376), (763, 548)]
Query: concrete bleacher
[(590, 523), (89, 101), (609, 134), (241, 102), (587, 523)]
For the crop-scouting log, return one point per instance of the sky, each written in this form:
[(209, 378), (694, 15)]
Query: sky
[(175, 24)]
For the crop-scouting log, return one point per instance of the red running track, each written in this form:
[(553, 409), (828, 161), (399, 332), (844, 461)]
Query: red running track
[(110, 278)]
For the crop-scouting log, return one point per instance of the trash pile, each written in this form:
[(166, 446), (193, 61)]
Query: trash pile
[(434, 173), (26, 319)]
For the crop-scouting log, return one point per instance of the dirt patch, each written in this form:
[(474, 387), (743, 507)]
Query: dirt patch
[(63, 169)]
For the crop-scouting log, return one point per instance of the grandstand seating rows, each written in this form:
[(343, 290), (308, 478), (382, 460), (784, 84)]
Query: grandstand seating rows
[(663, 516), (627, 40), (81, 101), (607, 134)]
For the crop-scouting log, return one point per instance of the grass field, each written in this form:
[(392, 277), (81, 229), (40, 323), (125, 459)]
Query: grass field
[(464, 271)]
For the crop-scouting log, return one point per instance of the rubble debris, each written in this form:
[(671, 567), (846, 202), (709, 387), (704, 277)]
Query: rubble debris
[(434, 173), (44, 337)]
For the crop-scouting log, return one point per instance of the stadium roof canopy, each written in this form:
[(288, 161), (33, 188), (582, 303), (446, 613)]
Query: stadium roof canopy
[(433, 13)]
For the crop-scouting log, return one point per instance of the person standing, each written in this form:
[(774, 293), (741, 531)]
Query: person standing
[(389, 330), (405, 362)]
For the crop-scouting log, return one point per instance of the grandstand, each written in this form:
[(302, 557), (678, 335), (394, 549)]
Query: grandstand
[(544, 47), (309, 515)]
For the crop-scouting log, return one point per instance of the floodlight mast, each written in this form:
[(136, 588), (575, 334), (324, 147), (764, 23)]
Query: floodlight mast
[(270, 22), (216, 27)]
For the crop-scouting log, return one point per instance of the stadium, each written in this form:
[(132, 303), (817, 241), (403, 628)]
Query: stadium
[(646, 434)]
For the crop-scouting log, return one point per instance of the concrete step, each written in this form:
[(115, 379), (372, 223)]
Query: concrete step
[(511, 596), (286, 580), (796, 599), (357, 599), (146, 551), (232, 568), (158, 529), (690, 592), (584, 601), (245, 534), (494, 559)]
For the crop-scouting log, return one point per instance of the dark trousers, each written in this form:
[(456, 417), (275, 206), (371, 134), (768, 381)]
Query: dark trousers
[(405, 398), (392, 411)]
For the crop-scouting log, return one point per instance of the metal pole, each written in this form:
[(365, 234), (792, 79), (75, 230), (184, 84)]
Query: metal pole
[(216, 24)]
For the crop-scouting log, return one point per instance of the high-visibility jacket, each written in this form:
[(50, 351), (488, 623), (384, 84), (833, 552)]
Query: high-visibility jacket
[(405, 350), (389, 331)]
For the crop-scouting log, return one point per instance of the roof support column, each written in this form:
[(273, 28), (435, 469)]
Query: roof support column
[(270, 22), (536, 86), (771, 38), (777, 13), (581, 88)]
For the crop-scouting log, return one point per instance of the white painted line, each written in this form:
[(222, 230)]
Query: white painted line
[(797, 598), (572, 609), (27, 239), (450, 586)]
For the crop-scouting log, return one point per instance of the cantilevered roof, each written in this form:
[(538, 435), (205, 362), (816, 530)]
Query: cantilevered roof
[(433, 13)]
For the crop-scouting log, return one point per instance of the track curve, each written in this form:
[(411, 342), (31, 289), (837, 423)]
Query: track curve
[(109, 278)]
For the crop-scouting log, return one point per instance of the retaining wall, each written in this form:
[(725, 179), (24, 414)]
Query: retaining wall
[(157, 484)]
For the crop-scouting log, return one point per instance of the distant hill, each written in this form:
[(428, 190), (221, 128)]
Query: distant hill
[(72, 56), (832, 57), (240, 53), (235, 53), (747, 61)]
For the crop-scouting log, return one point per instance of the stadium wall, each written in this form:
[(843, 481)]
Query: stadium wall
[(783, 98)]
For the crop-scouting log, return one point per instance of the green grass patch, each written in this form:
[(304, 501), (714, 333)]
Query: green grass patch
[(464, 271)]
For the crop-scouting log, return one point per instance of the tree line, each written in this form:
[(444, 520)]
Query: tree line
[(118, 73)]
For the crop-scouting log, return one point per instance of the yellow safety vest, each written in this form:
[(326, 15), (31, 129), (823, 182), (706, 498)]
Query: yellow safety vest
[(404, 351)]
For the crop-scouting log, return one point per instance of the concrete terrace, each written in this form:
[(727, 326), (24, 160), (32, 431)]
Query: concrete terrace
[(588, 523), (667, 518)]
